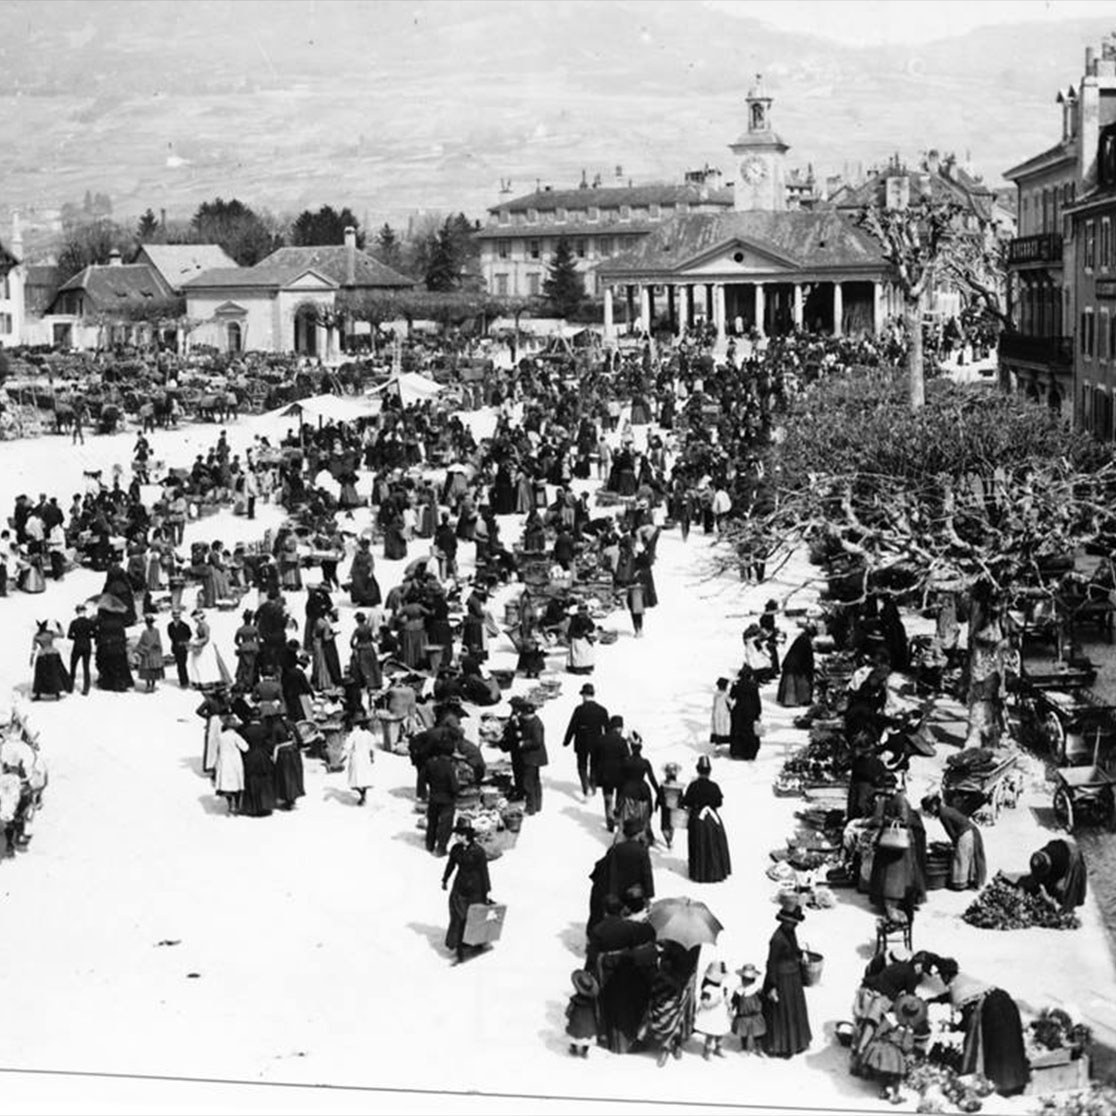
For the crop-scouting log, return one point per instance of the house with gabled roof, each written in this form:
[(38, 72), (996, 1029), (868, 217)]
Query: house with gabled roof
[(286, 302), (175, 264)]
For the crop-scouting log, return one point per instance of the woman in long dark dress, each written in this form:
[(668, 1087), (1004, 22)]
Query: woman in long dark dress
[(898, 880), (745, 709), (119, 585), (364, 588), (51, 678), (395, 540), (439, 632), (289, 785), (471, 885), (707, 845), (365, 664), (113, 671), (784, 1001), (258, 797), (796, 686), (894, 635), (993, 1034)]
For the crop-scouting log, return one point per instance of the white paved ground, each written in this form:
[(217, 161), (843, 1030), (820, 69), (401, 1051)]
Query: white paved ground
[(316, 935)]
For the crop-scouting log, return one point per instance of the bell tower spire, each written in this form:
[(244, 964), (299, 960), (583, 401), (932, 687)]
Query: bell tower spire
[(761, 173)]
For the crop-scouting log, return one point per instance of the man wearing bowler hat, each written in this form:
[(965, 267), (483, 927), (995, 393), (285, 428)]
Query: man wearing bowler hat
[(588, 724), (179, 634), (80, 633)]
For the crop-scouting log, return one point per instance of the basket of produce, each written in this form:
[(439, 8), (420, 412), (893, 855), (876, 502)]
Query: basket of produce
[(1003, 905), (843, 1032)]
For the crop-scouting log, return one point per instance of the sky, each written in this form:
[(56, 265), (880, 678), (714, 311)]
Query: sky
[(878, 22)]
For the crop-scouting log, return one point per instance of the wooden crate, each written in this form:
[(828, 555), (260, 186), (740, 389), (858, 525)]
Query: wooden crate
[(1059, 1078)]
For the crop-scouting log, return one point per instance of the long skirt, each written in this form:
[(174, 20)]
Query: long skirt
[(625, 993), (288, 774), (795, 689), (205, 666), (113, 671), (360, 770), (365, 667), (968, 868), (51, 677), (413, 649), (290, 575), (582, 657), (246, 673), (788, 1024), (670, 1018), (258, 799), (459, 903), (994, 1043), (707, 847)]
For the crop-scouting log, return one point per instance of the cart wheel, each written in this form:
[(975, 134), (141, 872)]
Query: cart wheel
[(1053, 735), (1063, 809)]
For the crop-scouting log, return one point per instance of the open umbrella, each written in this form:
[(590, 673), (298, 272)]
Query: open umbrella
[(688, 922), (107, 602)]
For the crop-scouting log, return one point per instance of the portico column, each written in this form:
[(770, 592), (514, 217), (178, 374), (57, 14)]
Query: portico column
[(798, 306), (682, 301), (761, 309), (631, 308), (719, 309), (644, 309), (608, 327), (877, 309), (838, 309), (672, 308)]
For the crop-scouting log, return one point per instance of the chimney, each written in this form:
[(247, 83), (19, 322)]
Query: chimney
[(1090, 62), (350, 256), (115, 259)]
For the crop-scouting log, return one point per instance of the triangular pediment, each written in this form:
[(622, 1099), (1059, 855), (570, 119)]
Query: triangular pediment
[(231, 310), (311, 280), (740, 256)]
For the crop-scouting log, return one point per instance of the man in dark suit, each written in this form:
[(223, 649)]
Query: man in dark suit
[(442, 786), (607, 766), (81, 633), (271, 621), (178, 631), (532, 756), (588, 724)]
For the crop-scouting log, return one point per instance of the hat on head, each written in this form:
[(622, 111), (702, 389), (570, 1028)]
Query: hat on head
[(790, 909), (79, 608), (588, 690), (584, 982), (715, 972), (464, 829), (703, 765), (748, 972), (198, 613), (909, 1009), (1040, 865)]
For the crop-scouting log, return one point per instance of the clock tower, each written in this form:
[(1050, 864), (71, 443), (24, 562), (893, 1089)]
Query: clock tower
[(759, 152)]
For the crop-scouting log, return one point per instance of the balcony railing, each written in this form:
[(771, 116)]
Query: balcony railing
[(1055, 352), (1041, 248)]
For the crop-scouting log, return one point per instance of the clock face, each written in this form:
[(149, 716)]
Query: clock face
[(754, 171)]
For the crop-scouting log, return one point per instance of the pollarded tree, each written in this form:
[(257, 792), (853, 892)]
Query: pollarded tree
[(914, 239), (563, 288)]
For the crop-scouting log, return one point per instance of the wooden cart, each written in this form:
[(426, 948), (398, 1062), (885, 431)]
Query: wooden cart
[(1085, 794), (987, 792)]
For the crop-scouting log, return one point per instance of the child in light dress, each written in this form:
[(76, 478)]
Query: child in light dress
[(711, 1013)]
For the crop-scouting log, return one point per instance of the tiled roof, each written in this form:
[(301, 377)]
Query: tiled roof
[(566, 229), (112, 285), (961, 188), (1067, 149), (268, 276), (332, 260), (817, 239), (7, 257), (661, 193), (176, 263)]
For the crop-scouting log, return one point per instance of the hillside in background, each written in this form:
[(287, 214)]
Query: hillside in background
[(397, 107)]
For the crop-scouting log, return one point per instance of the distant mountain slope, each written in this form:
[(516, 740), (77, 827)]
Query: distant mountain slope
[(391, 107)]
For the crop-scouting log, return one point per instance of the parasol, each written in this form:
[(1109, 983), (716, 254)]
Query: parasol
[(106, 602), (688, 922)]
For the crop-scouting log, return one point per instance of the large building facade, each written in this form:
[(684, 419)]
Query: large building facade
[(757, 265)]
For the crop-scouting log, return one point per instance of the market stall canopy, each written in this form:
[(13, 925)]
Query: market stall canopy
[(412, 387), (333, 408)]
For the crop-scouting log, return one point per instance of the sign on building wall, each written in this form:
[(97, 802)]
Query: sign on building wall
[(1106, 288)]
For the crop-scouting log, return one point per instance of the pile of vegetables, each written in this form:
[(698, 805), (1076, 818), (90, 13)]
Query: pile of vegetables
[(940, 1089), (1097, 1100), (1055, 1029), (821, 761), (1003, 906)]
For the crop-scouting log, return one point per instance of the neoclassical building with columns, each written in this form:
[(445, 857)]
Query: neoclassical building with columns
[(756, 266)]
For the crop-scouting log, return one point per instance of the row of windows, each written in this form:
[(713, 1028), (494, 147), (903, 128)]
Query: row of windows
[(1097, 340), (582, 247), (1040, 211), (5, 287), (1090, 244), (560, 216), (504, 284), (5, 323)]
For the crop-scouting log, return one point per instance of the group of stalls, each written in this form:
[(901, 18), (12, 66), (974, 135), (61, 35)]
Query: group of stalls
[(1045, 719)]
